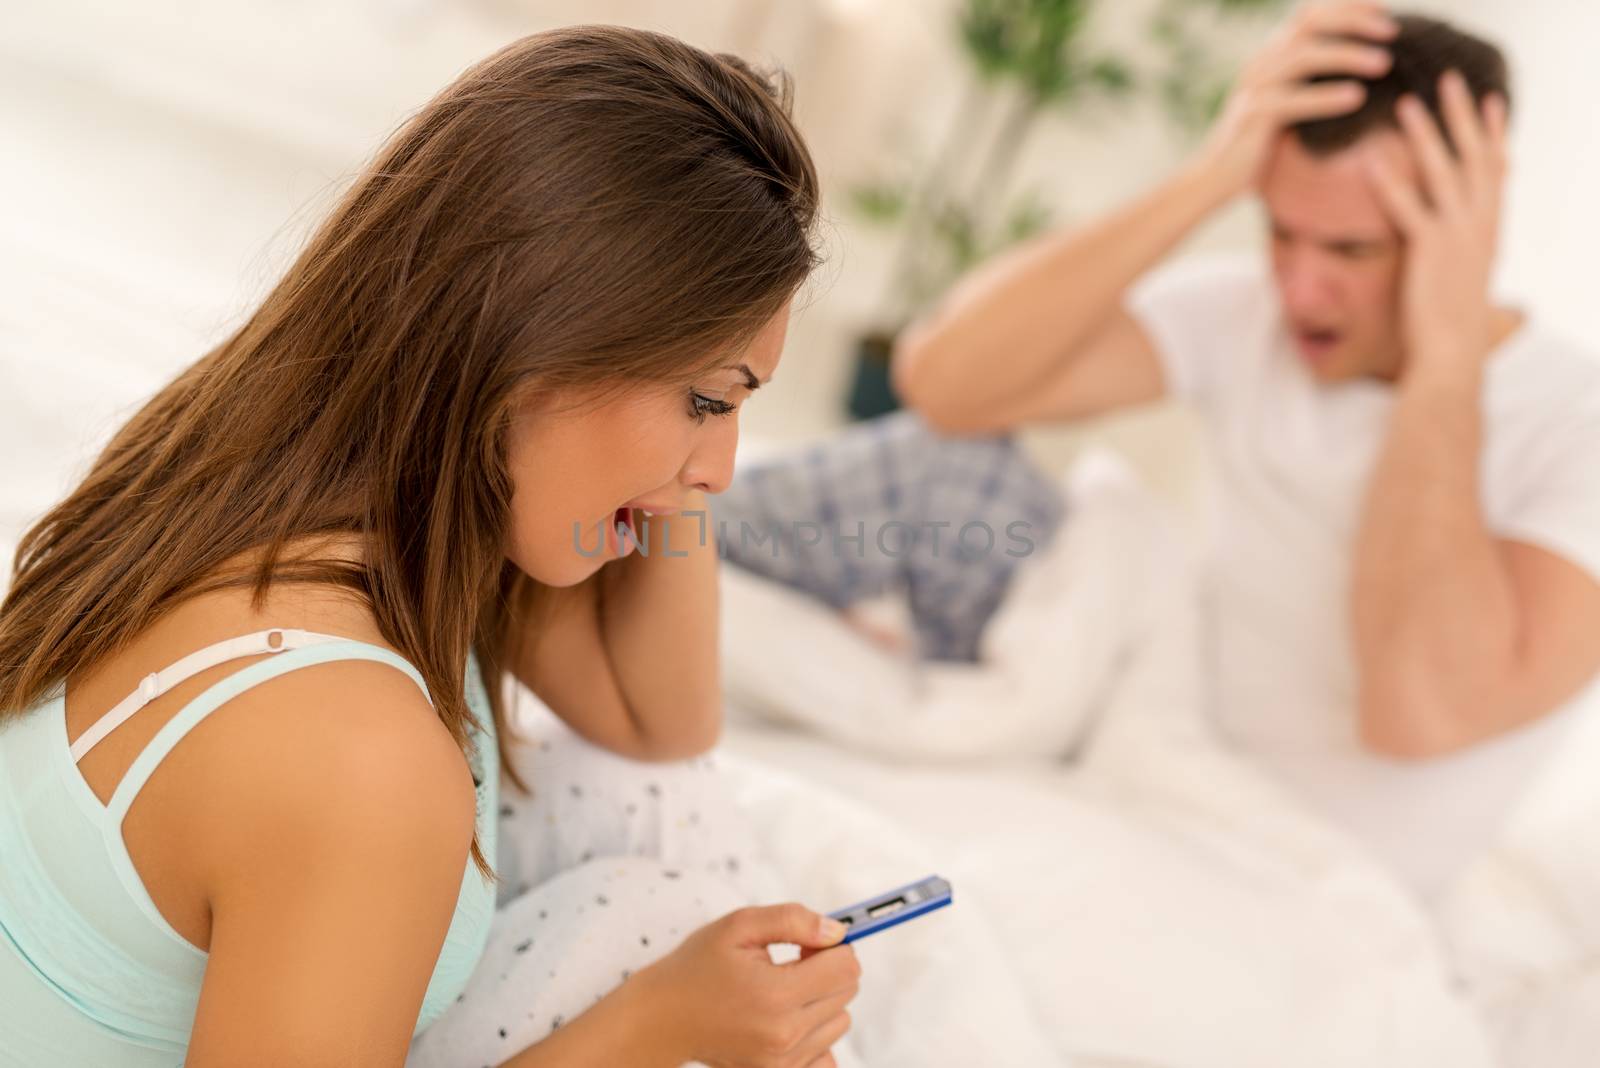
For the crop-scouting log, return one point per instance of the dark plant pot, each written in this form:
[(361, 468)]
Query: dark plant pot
[(870, 392)]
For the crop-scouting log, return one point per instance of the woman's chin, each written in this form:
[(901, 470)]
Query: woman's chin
[(561, 569), (569, 572)]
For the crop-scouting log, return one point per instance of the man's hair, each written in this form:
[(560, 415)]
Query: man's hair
[(1423, 50)]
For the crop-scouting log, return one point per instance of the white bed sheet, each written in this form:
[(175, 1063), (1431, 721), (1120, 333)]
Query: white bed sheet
[(1142, 937), (1159, 903), (1163, 917)]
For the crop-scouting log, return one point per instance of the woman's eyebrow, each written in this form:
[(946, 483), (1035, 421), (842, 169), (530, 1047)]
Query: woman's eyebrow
[(751, 382)]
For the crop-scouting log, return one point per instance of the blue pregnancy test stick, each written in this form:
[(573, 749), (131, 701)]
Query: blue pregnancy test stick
[(897, 906)]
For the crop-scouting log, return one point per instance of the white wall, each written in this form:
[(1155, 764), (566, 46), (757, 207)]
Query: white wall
[(1552, 223), (165, 158)]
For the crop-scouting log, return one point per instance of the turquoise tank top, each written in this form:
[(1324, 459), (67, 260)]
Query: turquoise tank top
[(91, 973)]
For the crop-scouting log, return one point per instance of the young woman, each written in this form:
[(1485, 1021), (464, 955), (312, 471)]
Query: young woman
[(251, 728)]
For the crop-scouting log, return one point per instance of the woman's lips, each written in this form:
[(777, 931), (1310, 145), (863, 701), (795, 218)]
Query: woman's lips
[(620, 543), (653, 509), (621, 534)]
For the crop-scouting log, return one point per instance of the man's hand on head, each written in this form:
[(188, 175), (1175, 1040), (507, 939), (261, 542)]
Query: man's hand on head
[(1343, 41), (1448, 214)]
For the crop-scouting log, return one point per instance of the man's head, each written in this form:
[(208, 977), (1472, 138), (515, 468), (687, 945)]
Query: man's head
[(1336, 256)]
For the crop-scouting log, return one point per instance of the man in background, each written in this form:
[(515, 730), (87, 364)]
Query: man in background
[(1405, 589)]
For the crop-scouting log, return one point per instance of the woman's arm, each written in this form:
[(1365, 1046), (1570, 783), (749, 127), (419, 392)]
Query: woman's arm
[(332, 846), (629, 658)]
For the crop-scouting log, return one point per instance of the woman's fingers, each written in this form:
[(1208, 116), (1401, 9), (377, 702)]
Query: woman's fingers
[(820, 1024), (822, 1010), (824, 974), (821, 1039), (767, 925)]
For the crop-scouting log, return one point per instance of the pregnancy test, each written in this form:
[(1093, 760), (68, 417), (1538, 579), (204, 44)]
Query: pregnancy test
[(894, 907)]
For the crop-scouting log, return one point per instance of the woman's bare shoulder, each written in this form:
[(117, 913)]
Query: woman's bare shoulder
[(340, 744), (345, 756), (340, 765)]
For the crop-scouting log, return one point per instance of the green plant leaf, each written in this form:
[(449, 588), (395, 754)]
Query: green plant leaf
[(883, 203), (1029, 216), (986, 29), (1040, 47), (1113, 74)]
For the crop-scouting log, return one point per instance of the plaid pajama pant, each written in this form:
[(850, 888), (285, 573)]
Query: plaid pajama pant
[(890, 505)]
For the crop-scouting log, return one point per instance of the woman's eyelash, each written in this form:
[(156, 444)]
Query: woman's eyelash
[(701, 406)]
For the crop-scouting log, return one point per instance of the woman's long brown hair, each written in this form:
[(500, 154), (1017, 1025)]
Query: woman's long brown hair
[(594, 206)]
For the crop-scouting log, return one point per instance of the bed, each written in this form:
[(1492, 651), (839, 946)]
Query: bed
[(1156, 901)]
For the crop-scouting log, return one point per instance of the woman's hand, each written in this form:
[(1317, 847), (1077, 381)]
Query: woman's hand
[(723, 1002), (628, 659), (1272, 92)]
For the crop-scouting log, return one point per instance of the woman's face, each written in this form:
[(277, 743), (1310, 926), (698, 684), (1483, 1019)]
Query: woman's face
[(577, 465)]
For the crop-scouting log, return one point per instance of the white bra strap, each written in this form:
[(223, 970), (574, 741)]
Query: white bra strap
[(154, 685)]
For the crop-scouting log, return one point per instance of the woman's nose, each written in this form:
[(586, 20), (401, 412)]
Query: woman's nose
[(710, 466)]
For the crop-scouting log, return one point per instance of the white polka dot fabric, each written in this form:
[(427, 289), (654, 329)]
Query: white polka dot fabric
[(606, 868)]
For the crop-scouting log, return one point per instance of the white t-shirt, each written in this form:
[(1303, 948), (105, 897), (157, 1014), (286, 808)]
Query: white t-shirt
[(1292, 458)]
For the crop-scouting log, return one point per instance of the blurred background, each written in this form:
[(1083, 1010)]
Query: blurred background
[(165, 159)]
